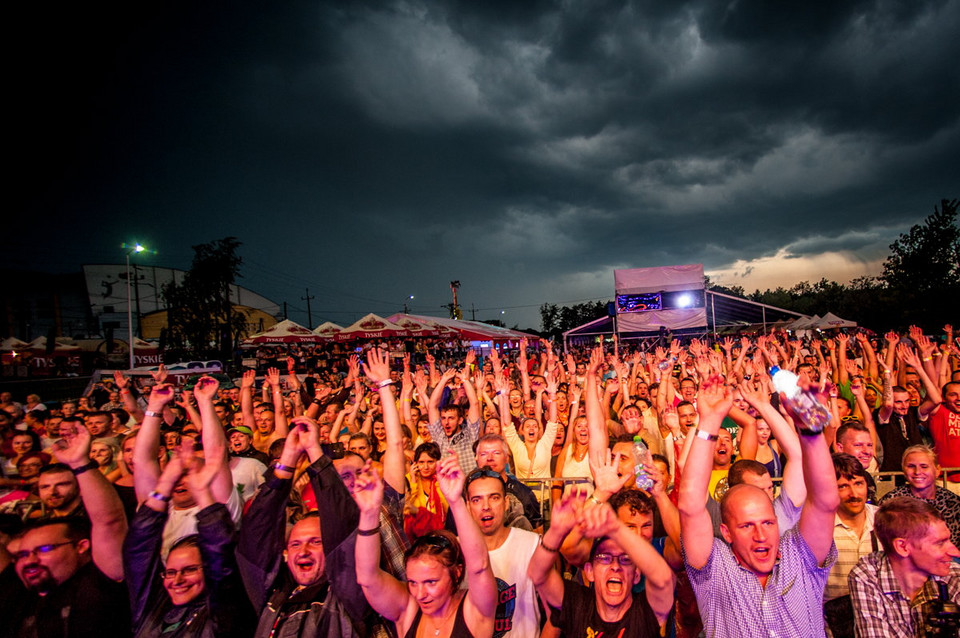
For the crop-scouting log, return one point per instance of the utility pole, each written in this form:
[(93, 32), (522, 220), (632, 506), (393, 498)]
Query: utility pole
[(455, 312), (284, 310), (473, 313), (309, 314)]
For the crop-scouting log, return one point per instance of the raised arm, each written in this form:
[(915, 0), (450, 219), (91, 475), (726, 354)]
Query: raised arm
[(433, 406), (279, 415), (713, 403), (482, 594), (377, 369), (596, 423), (933, 398), (818, 515), (126, 395), (146, 447), (474, 411), (214, 438), (757, 394), (563, 518), (100, 500), (246, 398), (387, 595)]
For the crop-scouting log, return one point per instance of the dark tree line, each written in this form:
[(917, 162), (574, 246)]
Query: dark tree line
[(201, 321)]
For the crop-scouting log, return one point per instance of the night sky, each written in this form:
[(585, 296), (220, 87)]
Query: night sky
[(372, 151)]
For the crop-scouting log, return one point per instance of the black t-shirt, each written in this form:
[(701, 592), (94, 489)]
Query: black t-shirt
[(87, 605), (578, 617)]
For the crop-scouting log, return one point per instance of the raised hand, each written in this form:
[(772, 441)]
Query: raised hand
[(122, 380), (598, 521), (450, 477), (377, 367), (160, 395), (567, 512), (160, 374), (368, 489), (604, 472), (206, 388), (273, 377), (714, 399), (74, 448), (470, 358), (248, 379)]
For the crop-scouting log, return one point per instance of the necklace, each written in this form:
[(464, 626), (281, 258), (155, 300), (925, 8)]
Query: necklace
[(446, 617), (579, 456)]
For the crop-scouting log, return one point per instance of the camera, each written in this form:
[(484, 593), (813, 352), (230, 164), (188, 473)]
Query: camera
[(941, 616)]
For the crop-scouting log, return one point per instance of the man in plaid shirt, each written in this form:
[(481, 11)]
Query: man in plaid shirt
[(889, 588)]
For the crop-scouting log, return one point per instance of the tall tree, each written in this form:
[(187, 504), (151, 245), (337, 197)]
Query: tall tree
[(923, 269), (201, 321)]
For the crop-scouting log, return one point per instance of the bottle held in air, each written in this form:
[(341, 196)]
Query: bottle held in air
[(641, 455), (804, 404)]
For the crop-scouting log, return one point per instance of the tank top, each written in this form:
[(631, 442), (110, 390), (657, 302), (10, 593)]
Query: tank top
[(459, 624), (573, 468)]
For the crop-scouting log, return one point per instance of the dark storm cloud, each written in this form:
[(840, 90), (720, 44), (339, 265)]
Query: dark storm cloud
[(373, 150)]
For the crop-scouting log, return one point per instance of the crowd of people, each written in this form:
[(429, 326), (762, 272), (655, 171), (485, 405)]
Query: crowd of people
[(603, 492)]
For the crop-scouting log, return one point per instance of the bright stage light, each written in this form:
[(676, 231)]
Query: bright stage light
[(684, 301)]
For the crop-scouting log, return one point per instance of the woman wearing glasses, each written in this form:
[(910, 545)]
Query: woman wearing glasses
[(431, 602), (197, 591)]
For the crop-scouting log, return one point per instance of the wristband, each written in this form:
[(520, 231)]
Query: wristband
[(283, 468), (597, 501), (77, 471), (548, 548), (384, 383), (706, 436), (928, 358), (152, 413), (368, 532), (157, 496), (124, 391)]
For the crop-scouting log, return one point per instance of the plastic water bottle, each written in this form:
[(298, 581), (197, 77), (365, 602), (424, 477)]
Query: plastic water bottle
[(666, 364), (641, 455), (815, 415)]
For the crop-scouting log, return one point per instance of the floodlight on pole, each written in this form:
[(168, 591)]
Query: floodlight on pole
[(130, 250)]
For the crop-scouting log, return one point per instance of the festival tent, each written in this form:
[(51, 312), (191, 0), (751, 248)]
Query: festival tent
[(419, 328), (40, 345), (470, 330), (830, 321), (371, 326), (285, 332), (328, 330), (12, 343)]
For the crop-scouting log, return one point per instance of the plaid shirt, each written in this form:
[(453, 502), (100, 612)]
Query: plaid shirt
[(880, 609), (460, 442)]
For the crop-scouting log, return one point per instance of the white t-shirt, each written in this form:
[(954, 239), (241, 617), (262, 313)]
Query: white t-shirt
[(182, 523), (247, 475), (518, 614)]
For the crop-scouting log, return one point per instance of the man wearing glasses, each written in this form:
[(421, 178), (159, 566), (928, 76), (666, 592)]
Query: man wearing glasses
[(70, 570), (618, 560)]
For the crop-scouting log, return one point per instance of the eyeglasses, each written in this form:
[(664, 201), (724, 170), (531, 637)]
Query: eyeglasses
[(41, 550), (189, 570), (607, 559)]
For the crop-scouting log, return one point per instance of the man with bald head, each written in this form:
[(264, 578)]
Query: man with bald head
[(753, 582)]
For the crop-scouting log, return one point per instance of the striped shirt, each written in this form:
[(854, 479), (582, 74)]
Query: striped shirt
[(850, 549), (880, 610), (732, 602)]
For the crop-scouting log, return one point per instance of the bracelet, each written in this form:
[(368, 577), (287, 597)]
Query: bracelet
[(548, 548), (597, 501), (706, 436), (384, 383), (368, 532), (283, 468), (317, 402), (124, 391), (77, 471), (152, 413), (157, 496), (928, 358)]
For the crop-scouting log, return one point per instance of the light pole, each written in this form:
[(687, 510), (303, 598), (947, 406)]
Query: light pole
[(405, 308), (136, 248)]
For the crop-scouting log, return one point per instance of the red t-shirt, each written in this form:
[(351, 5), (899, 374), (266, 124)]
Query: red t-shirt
[(945, 430)]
